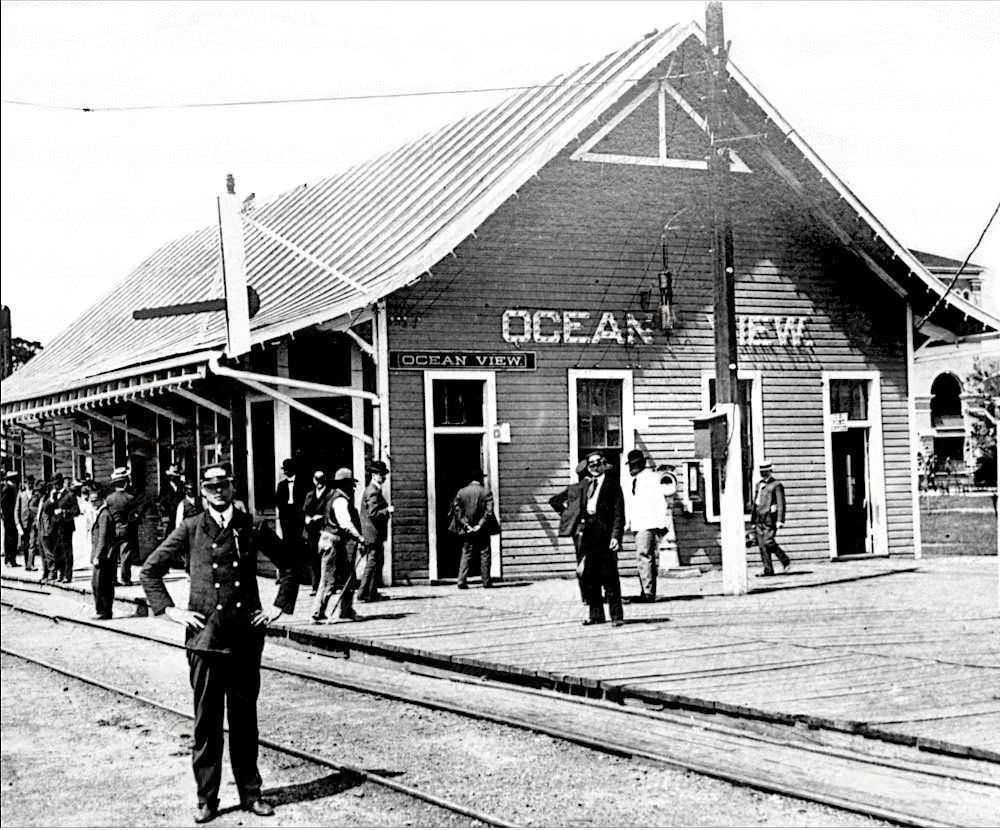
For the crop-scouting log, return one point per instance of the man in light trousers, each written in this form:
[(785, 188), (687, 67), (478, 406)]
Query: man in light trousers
[(646, 514)]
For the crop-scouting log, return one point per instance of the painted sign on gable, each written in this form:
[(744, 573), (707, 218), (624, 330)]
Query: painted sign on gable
[(549, 326)]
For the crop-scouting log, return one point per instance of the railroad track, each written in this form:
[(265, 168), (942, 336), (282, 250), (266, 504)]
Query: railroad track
[(783, 760)]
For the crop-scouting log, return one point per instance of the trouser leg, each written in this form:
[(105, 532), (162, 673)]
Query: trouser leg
[(48, 559), (486, 562), (612, 586), (208, 673), (463, 565), (765, 536), (28, 547), (373, 566), (128, 555), (646, 548), (579, 575), (103, 581), (347, 561), (327, 582), (9, 542), (242, 691)]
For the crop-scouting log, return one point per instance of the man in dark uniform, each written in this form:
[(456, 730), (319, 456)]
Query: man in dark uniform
[(225, 632), (602, 523), (375, 515), (567, 504), (122, 506), (65, 508), (768, 516)]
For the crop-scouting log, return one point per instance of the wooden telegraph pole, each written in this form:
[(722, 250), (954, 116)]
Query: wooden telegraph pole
[(734, 555)]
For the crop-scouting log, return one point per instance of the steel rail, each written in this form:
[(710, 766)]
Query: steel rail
[(319, 760), (603, 745)]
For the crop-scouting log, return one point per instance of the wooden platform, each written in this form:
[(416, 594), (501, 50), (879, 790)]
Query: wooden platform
[(903, 650)]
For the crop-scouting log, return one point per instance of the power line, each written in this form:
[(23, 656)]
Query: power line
[(958, 273), (314, 100)]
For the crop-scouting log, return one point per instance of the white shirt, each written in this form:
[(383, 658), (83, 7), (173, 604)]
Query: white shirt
[(343, 517), (645, 507), (222, 519), (594, 492), (291, 486)]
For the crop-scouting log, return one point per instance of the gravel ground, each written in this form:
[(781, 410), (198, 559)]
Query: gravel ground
[(522, 777)]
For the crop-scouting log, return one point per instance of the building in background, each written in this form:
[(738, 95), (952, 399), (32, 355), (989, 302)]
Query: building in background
[(511, 292)]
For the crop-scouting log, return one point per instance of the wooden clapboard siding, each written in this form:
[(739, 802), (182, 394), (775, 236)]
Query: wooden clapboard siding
[(584, 236)]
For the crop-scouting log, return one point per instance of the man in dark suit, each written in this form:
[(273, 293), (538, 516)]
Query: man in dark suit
[(375, 515), (102, 555), (289, 498), (8, 506), (567, 504), (65, 508), (768, 516), (602, 523), (473, 505), (122, 507), (314, 510), (225, 627)]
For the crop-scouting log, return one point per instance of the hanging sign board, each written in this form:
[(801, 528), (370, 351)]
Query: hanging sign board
[(432, 359), (838, 422)]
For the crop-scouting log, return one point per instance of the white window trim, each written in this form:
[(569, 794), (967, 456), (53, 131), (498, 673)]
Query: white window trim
[(492, 474), (757, 410), (628, 416), (88, 456), (876, 460)]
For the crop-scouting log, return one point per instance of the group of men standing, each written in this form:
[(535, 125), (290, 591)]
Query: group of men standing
[(595, 513), (326, 528), (39, 521)]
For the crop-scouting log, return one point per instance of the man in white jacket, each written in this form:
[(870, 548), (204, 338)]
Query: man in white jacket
[(646, 514)]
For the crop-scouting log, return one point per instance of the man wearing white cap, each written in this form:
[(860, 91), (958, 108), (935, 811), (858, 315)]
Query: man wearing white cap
[(768, 516), (225, 626), (121, 505)]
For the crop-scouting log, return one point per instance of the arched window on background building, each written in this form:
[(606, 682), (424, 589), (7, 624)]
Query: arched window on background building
[(946, 418)]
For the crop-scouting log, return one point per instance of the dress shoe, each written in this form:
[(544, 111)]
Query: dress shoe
[(765, 573), (101, 617), (462, 586), (593, 622), (205, 813), (318, 618), (617, 623), (350, 616), (259, 807)]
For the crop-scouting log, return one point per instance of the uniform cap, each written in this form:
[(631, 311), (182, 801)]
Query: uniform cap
[(216, 474), (119, 474)]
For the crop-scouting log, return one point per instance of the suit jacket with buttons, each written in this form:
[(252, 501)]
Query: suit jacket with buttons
[(223, 570), (291, 516), (374, 514), (769, 503)]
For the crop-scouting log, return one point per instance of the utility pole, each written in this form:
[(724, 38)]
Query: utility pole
[(732, 528)]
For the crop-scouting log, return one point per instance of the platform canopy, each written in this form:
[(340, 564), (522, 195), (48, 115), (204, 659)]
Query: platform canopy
[(331, 248)]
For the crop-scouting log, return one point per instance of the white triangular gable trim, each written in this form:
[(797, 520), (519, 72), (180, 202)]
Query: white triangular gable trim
[(584, 152)]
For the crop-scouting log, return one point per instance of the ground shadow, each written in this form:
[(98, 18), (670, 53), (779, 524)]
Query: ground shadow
[(314, 790), (770, 588), (646, 620)]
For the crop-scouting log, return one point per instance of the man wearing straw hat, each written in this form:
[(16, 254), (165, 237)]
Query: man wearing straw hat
[(768, 516)]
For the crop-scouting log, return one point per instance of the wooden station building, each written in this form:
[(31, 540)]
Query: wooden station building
[(492, 295)]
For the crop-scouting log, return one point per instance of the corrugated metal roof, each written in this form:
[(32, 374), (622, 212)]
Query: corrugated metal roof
[(383, 223)]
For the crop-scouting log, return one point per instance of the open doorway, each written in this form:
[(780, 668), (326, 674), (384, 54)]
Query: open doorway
[(850, 492)]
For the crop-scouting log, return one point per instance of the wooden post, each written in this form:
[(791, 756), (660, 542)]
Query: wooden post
[(234, 272), (732, 528)]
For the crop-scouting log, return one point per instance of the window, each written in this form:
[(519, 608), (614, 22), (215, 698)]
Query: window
[(216, 439), (850, 396), (600, 415), (262, 447), (13, 446), (946, 402), (83, 460), (119, 446), (751, 440), (458, 403), (48, 455)]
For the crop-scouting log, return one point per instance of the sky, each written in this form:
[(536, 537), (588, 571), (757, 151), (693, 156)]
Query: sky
[(899, 98)]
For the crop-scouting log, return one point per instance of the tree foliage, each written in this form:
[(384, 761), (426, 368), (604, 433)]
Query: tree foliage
[(21, 351), (982, 396)]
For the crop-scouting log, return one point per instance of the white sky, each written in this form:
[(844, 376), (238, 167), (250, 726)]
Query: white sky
[(901, 99)]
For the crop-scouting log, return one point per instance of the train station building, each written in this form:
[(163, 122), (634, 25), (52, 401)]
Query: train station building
[(513, 291)]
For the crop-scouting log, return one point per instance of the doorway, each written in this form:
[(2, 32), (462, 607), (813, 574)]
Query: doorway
[(460, 411), (850, 491)]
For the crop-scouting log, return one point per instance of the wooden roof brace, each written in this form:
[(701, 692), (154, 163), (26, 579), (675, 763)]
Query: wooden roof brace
[(205, 402), (112, 422), (335, 391), (54, 441), (363, 344)]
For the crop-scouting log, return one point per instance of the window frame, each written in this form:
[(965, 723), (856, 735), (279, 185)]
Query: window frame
[(574, 376)]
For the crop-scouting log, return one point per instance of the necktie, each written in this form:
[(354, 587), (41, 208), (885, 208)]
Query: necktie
[(591, 488), (634, 482)]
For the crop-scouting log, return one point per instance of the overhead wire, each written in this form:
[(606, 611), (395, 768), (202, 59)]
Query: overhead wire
[(959, 272)]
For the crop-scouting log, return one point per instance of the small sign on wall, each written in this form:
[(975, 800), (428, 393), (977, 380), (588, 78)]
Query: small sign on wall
[(432, 359), (838, 422), (501, 433)]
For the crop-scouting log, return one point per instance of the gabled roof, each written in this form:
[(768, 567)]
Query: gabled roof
[(386, 222), (936, 263)]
